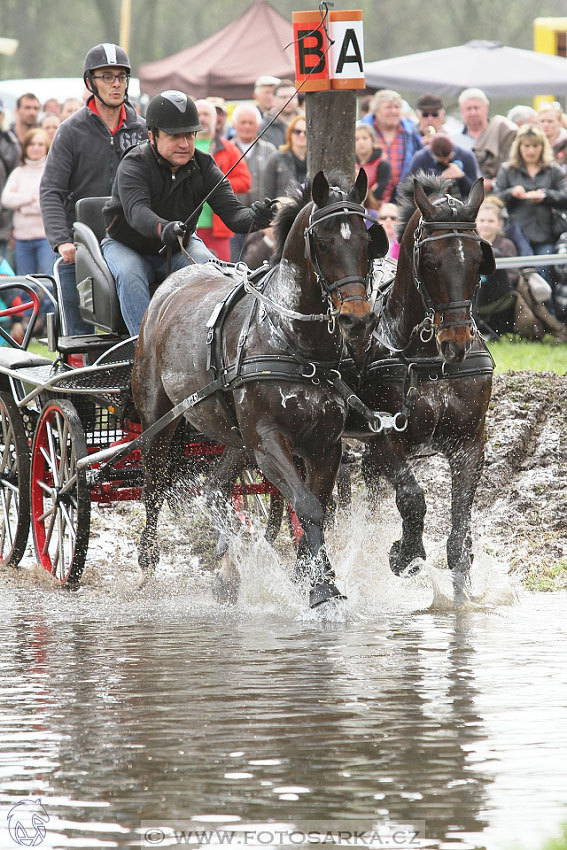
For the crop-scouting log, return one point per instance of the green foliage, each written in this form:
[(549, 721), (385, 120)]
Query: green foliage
[(513, 354)]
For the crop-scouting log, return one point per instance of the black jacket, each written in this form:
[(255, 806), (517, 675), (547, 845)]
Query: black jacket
[(81, 163), (146, 194), (534, 219)]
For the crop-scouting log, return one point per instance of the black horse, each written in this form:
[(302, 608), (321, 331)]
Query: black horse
[(268, 396), (428, 370)]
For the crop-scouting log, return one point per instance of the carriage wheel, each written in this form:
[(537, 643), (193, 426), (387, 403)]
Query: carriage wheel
[(14, 483), (60, 497), (258, 508)]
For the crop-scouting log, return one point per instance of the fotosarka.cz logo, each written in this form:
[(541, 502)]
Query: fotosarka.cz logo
[(26, 823), (385, 835)]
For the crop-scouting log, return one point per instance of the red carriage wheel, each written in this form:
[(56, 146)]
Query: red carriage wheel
[(14, 483), (60, 497)]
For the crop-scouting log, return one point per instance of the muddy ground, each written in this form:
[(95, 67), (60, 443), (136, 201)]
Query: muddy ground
[(523, 491)]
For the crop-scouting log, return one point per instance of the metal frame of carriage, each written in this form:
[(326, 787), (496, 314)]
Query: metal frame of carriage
[(64, 421)]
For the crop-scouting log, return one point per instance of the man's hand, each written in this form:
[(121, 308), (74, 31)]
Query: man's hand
[(172, 231), (453, 172), (264, 212), (67, 251)]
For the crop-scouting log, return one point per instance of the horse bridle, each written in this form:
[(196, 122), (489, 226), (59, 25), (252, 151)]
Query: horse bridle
[(330, 288), (455, 229)]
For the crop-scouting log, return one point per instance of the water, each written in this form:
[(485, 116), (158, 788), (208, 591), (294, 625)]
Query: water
[(119, 708)]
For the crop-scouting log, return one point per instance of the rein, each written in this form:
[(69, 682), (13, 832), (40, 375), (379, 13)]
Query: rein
[(328, 288)]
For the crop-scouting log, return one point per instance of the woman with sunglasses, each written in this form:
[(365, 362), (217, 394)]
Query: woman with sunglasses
[(289, 163)]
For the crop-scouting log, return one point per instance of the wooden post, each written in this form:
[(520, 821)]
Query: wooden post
[(330, 121)]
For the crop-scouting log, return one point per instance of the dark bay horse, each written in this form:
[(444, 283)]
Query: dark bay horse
[(428, 369), (269, 397)]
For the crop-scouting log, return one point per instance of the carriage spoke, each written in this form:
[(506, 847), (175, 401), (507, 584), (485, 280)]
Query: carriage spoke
[(14, 482), (61, 498), (6, 532)]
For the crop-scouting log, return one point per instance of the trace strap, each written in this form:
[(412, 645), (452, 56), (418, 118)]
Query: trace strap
[(267, 367)]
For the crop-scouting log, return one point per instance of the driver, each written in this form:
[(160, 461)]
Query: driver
[(158, 185), (83, 159)]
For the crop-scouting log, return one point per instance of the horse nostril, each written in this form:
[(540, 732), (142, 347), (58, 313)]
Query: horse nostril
[(350, 323), (451, 352)]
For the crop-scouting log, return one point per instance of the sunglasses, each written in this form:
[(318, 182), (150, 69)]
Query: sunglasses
[(299, 132), (387, 217), (430, 114)]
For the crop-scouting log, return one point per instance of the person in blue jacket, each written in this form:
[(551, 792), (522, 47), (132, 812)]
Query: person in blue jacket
[(445, 159)]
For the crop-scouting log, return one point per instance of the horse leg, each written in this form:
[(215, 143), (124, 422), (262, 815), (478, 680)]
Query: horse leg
[(218, 490), (157, 479), (275, 459), (466, 462), (390, 460), (320, 480)]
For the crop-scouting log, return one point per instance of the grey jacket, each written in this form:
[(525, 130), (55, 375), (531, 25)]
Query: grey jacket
[(256, 161), (9, 150), (534, 219), (281, 171), (82, 163)]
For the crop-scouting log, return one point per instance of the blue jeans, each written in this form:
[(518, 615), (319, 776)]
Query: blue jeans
[(33, 256), (75, 324), (134, 273)]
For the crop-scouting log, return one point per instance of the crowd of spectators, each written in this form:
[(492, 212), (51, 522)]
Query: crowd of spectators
[(521, 157)]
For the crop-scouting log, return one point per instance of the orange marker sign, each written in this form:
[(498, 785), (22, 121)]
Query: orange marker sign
[(319, 65)]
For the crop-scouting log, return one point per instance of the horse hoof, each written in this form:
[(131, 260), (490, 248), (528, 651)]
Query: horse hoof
[(225, 590), (461, 589), (323, 592), (143, 580), (413, 569)]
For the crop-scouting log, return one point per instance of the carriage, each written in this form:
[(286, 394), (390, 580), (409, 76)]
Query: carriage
[(74, 433), (65, 416)]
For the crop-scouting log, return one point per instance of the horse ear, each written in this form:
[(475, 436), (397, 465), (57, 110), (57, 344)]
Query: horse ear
[(422, 202), (320, 189), (360, 188), (476, 196)]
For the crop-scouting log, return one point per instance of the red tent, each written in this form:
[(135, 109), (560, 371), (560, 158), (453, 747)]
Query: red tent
[(228, 63)]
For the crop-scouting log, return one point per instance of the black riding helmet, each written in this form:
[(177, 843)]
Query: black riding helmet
[(173, 112), (102, 56)]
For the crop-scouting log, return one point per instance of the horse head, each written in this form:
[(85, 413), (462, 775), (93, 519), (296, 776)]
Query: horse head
[(340, 249), (448, 259)]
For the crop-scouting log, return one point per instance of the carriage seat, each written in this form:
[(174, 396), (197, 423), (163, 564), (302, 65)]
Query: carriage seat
[(98, 301)]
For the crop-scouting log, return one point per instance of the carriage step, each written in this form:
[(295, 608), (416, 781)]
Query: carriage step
[(14, 358)]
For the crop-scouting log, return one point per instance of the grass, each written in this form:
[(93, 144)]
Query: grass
[(514, 354), (549, 579)]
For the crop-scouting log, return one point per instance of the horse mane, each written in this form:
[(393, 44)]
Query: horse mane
[(298, 196), (433, 186)]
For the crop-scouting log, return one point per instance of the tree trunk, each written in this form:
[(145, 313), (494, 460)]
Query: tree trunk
[(330, 120)]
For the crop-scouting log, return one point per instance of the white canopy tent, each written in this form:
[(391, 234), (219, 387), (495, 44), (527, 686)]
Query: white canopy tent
[(500, 71)]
